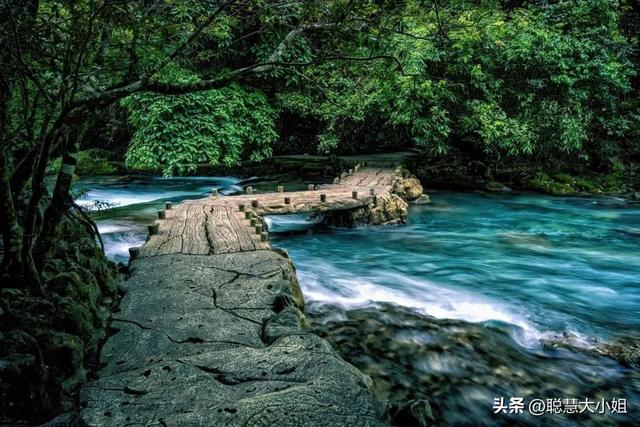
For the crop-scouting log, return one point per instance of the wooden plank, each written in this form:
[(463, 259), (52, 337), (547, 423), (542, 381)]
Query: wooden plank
[(222, 237), (241, 229), (173, 230), (195, 233)]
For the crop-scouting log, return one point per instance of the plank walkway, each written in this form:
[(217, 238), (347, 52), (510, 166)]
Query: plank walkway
[(230, 224)]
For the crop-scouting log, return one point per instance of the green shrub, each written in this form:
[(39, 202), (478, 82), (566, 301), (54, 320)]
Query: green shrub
[(176, 133)]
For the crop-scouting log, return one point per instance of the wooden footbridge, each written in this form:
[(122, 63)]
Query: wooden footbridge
[(230, 224), (210, 329)]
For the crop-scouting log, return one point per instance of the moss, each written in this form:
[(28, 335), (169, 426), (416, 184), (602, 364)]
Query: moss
[(494, 185), (44, 340), (564, 183), (579, 183), (542, 182)]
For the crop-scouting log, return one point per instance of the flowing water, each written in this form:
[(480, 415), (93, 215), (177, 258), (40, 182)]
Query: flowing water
[(124, 206), (478, 297)]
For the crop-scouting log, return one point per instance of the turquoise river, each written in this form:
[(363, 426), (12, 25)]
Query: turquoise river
[(479, 297)]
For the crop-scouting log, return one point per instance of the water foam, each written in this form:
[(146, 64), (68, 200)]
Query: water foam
[(421, 295)]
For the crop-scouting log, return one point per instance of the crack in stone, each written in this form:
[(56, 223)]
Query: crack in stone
[(229, 311), (198, 340), (188, 340), (207, 233), (125, 389)]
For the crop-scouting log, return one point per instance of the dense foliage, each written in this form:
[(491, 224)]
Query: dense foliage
[(542, 84), (178, 133), (529, 84)]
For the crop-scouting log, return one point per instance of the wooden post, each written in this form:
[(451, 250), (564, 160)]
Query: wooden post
[(214, 192), (254, 203), (280, 188), (167, 205), (287, 200), (264, 236), (153, 229), (323, 198), (249, 190), (134, 252), (336, 180), (354, 194), (311, 187), (241, 207), (161, 214), (372, 191)]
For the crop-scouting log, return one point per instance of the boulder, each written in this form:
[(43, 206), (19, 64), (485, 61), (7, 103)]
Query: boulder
[(389, 209), (407, 188)]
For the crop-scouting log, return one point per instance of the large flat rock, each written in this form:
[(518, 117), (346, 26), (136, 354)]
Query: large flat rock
[(217, 340)]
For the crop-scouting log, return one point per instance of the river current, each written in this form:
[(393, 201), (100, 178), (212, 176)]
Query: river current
[(479, 297)]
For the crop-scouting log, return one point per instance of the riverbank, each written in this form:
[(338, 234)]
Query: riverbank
[(456, 173)]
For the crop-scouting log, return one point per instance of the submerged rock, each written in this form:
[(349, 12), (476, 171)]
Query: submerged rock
[(446, 372), (414, 413), (422, 200)]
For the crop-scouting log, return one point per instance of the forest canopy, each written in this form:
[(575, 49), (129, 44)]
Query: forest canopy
[(537, 84), (533, 85)]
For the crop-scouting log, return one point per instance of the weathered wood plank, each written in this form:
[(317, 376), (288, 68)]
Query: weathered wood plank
[(195, 233)]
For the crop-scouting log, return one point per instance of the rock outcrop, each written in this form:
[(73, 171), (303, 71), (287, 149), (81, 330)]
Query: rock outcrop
[(408, 188), (218, 340), (44, 341)]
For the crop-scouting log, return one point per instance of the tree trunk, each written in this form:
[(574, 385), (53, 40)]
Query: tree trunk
[(12, 269), (11, 231), (61, 201)]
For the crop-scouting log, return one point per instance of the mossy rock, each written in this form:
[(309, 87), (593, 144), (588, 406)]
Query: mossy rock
[(45, 339), (579, 183), (543, 183), (63, 355), (497, 187), (72, 285), (79, 318)]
